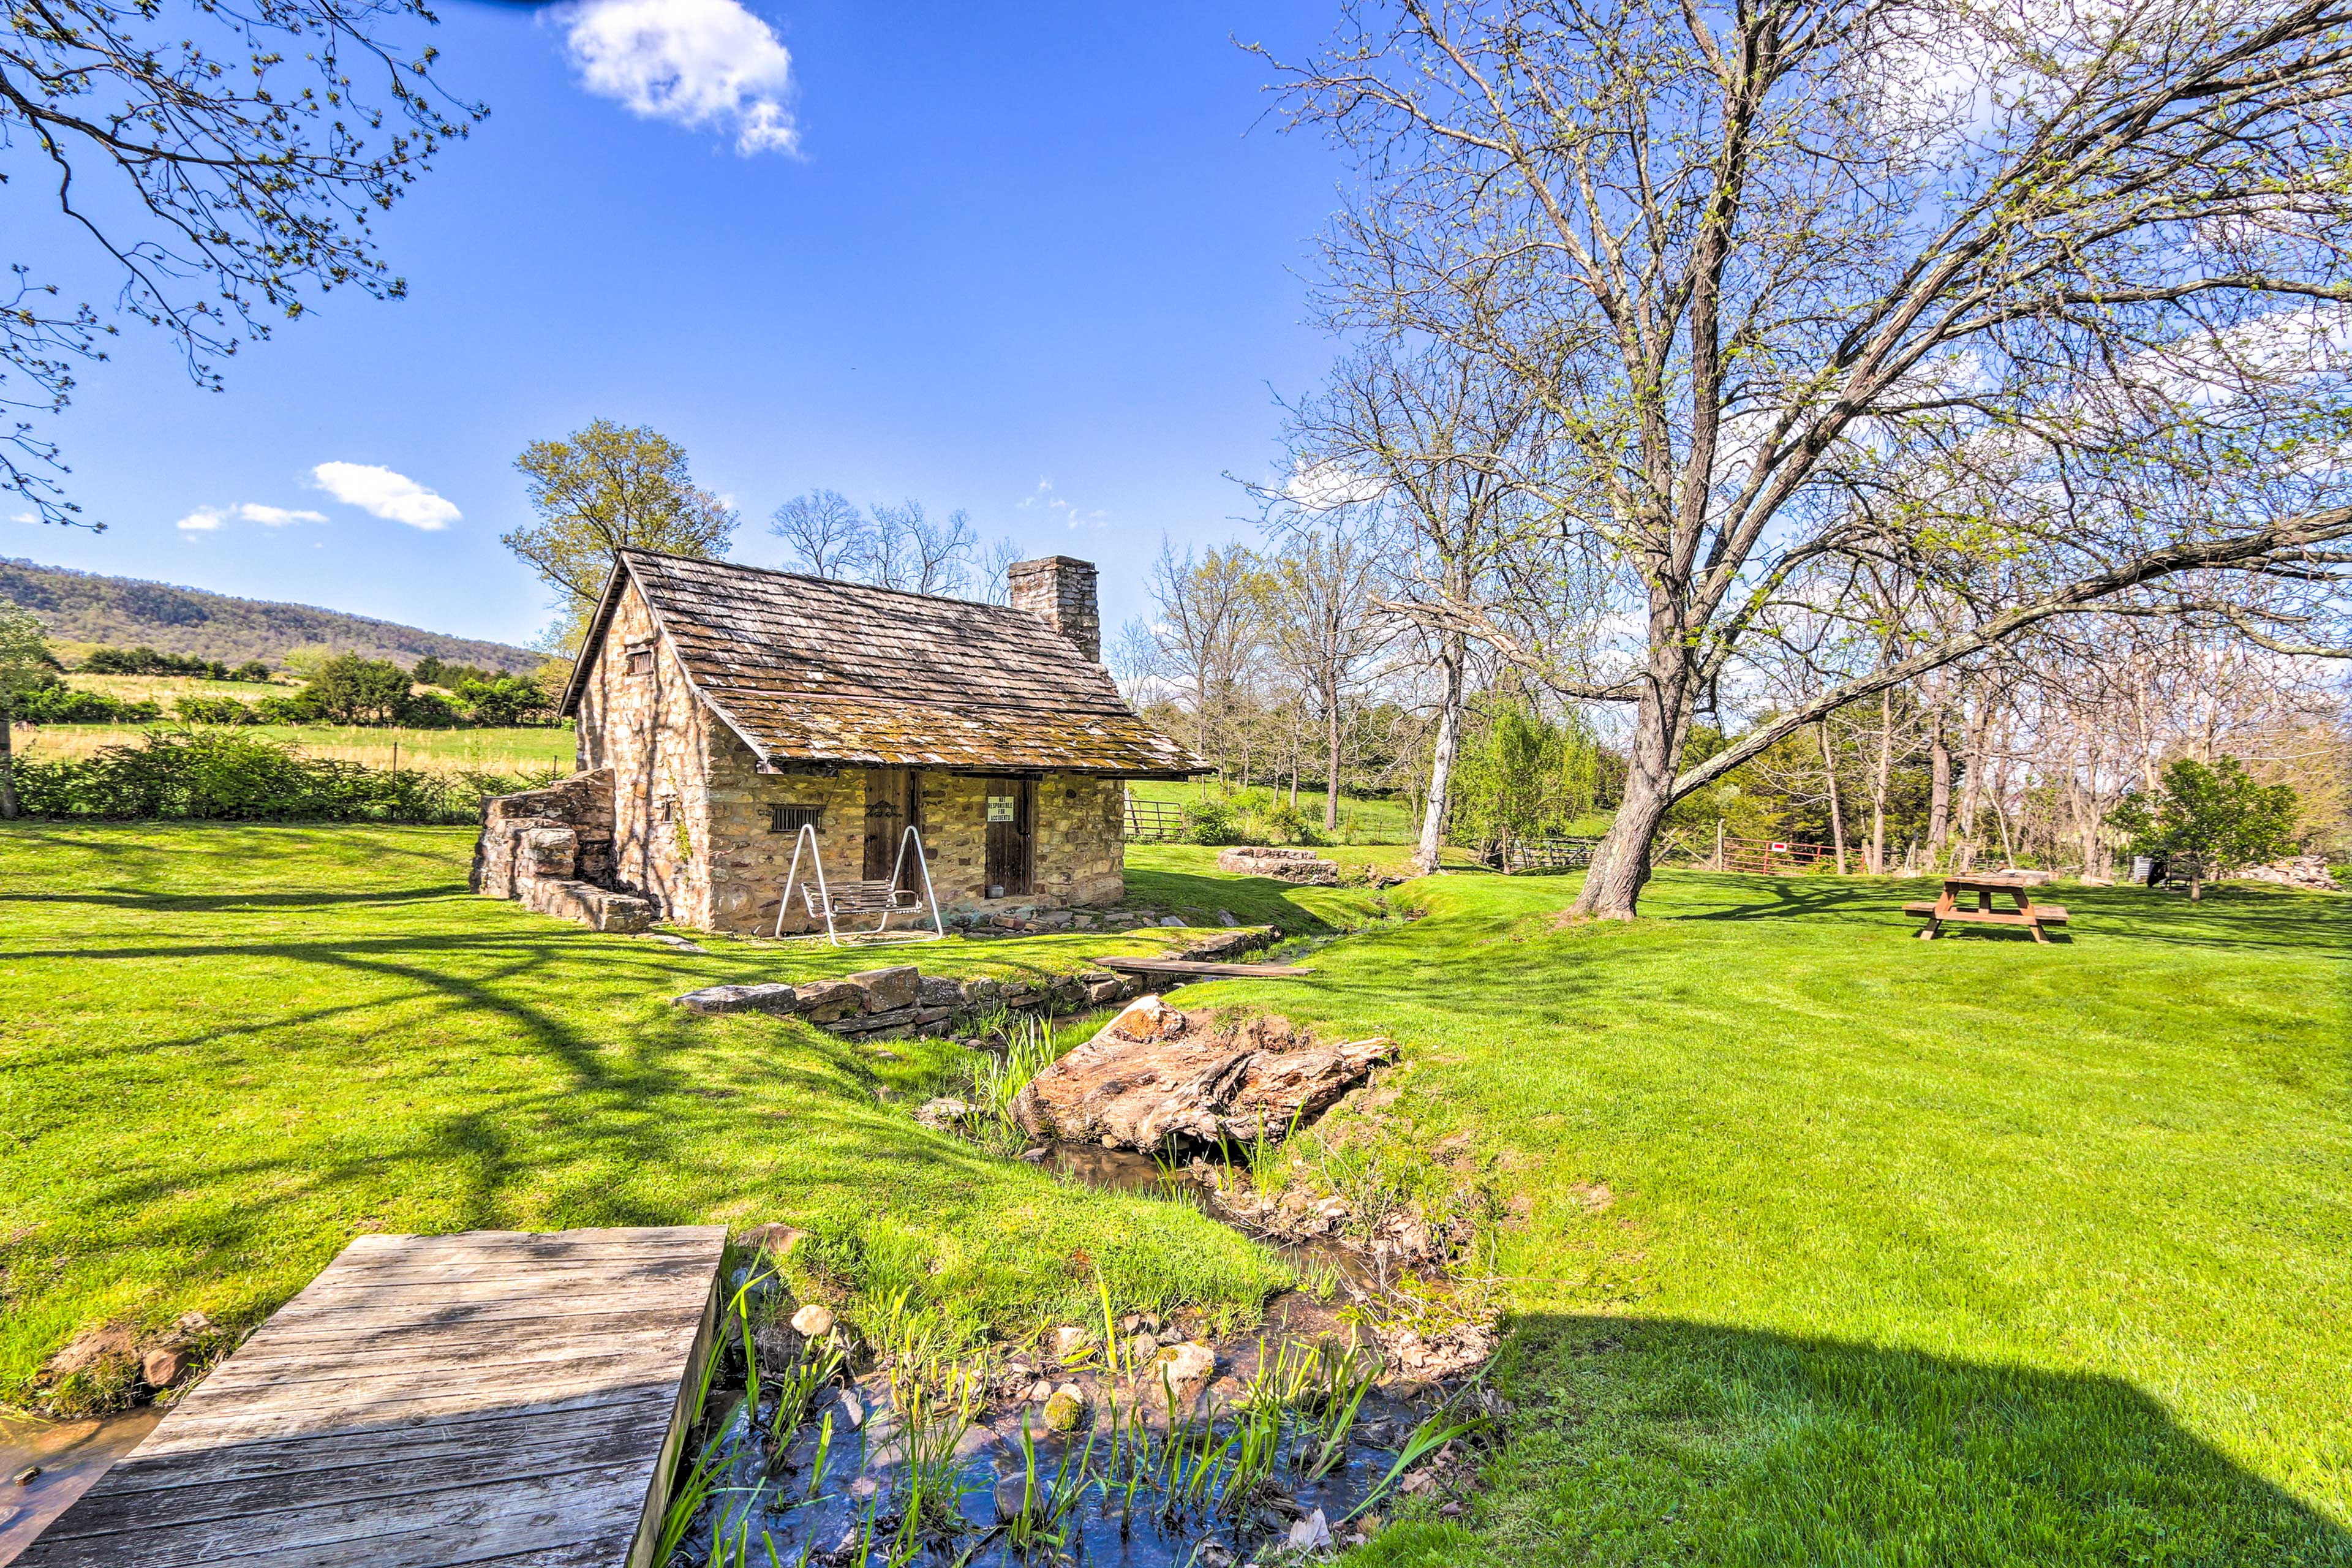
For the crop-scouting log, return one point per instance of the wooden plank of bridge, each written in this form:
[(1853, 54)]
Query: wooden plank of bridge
[(428, 1401), (1199, 969)]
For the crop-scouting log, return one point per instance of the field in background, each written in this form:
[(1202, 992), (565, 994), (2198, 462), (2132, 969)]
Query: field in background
[(162, 689), (1360, 821), (437, 751)]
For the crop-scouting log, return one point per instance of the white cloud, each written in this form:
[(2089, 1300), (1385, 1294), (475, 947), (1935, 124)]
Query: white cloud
[(379, 492), (205, 519), (1328, 484), (695, 62), (278, 516), (1072, 516)]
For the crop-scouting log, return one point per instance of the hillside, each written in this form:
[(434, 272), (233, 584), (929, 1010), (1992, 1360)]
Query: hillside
[(82, 607)]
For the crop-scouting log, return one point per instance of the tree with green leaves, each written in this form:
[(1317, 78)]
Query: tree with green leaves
[(2219, 817), (222, 165), (503, 700), (603, 489), (1522, 773), (27, 666), (351, 689)]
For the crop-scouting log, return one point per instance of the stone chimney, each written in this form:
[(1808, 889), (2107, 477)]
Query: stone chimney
[(1060, 592)]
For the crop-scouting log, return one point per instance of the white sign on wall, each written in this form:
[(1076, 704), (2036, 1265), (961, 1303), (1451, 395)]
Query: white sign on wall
[(1000, 808)]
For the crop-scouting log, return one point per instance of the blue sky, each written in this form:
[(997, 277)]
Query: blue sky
[(1043, 263)]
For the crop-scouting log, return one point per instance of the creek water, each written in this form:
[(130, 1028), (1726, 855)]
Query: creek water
[(1124, 1170), (842, 1497), (71, 1454), (834, 1490)]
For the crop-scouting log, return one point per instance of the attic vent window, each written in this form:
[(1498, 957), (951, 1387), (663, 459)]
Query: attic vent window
[(641, 661), (792, 819)]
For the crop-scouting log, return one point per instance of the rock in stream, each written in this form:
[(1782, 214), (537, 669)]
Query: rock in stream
[(1156, 1071)]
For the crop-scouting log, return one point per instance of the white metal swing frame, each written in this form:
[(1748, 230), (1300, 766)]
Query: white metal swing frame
[(862, 898)]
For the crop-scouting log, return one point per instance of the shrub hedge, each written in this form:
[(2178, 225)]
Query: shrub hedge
[(221, 775), (62, 704)]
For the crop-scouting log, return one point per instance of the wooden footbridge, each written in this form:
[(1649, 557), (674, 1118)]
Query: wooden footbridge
[(425, 1402)]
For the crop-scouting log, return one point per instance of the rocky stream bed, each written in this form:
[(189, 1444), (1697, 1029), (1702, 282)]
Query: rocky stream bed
[(1131, 1440)]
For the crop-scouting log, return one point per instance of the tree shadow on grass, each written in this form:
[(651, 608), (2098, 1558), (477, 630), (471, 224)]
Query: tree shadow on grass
[(1257, 900), (1656, 1440), (222, 903), (2227, 917)]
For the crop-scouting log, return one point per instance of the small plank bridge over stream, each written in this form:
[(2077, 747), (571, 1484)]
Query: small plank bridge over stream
[(425, 1402)]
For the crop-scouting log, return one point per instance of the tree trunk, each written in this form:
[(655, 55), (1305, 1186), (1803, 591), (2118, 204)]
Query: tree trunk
[(1331, 761), (1971, 792), (1837, 816), (1878, 783), (8, 762), (1441, 765), (1939, 790), (1297, 729), (1621, 861)]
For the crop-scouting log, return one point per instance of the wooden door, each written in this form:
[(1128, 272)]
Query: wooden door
[(1011, 834), (889, 811)]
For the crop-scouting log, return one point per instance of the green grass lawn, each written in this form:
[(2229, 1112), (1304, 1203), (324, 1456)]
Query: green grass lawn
[(224, 1051), (1827, 1245), (1846, 1247)]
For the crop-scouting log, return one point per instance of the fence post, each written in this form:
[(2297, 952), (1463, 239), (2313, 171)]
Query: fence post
[(1718, 844)]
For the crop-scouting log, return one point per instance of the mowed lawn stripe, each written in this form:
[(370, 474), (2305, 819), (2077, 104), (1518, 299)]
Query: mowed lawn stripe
[(1953, 1251)]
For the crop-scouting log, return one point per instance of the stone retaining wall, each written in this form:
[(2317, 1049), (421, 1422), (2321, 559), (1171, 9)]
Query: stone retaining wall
[(552, 850), (901, 1001)]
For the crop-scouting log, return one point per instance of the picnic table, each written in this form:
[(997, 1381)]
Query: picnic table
[(1981, 889)]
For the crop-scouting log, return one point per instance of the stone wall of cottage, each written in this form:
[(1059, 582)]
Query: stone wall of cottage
[(1078, 847), (749, 859), (654, 733), (1081, 850), (1079, 854)]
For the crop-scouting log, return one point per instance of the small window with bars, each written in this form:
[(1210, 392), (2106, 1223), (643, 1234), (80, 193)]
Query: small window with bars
[(640, 661), (792, 819)]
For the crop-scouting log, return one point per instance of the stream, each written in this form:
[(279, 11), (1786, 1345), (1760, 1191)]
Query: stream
[(1299, 1444), (70, 1455)]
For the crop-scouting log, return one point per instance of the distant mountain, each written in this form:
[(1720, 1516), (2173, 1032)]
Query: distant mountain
[(81, 606)]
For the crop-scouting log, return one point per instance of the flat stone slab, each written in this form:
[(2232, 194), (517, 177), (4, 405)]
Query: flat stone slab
[(428, 1401), (773, 997)]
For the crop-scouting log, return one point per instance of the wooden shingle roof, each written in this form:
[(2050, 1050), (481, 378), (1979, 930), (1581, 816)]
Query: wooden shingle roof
[(811, 669)]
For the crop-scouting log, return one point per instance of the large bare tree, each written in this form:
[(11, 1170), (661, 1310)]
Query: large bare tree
[(1446, 442), (221, 163), (1207, 630), (1331, 566), (1773, 267)]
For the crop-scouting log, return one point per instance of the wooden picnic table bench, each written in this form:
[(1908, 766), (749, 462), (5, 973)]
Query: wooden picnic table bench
[(1948, 908)]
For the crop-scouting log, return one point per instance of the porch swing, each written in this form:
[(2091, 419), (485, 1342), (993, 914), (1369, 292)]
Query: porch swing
[(854, 900)]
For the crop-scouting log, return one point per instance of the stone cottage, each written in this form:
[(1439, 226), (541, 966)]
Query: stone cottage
[(727, 706)]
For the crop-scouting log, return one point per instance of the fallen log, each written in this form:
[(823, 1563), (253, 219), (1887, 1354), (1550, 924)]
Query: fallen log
[(1156, 1072)]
